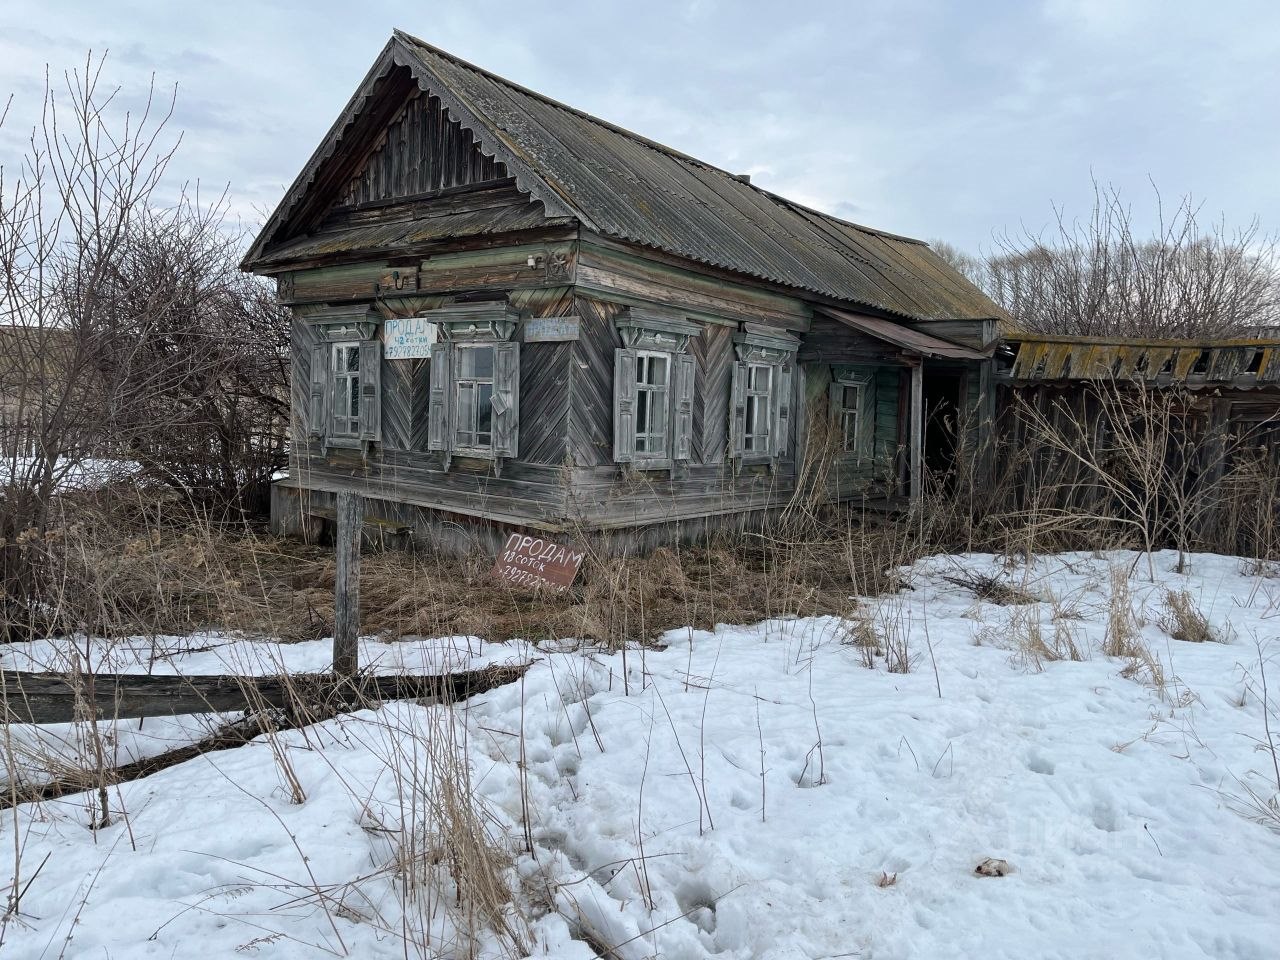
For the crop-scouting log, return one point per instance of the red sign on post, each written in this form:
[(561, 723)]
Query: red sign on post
[(537, 564)]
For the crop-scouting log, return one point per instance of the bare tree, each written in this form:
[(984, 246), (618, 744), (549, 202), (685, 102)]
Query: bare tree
[(1102, 277), (204, 393), (127, 332)]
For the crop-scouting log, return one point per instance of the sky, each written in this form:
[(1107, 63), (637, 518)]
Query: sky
[(961, 121)]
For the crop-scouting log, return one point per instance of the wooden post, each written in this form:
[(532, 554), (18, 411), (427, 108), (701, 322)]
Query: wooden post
[(917, 432), (346, 590)]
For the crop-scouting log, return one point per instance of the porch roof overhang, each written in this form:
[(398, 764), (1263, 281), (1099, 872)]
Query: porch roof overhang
[(906, 339)]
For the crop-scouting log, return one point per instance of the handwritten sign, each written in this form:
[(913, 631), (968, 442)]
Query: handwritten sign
[(551, 329), (537, 564), (409, 338)]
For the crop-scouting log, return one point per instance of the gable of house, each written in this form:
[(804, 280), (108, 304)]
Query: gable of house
[(424, 121)]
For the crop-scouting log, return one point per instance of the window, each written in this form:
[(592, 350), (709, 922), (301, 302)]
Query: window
[(761, 395), (850, 420), (473, 407), (346, 390), (654, 383), (852, 401), (473, 386), (344, 402), (652, 378), (759, 412)]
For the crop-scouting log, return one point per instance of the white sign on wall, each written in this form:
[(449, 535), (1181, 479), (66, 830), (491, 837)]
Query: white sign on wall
[(409, 338)]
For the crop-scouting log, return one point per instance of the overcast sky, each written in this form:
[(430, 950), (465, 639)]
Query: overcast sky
[(943, 120)]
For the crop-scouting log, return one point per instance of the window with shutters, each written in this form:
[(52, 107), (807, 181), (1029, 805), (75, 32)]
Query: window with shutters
[(654, 382), (761, 398), (346, 390), (345, 403), (474, 405)]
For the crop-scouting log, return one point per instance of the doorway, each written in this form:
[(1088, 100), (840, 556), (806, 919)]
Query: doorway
[(941, 392)]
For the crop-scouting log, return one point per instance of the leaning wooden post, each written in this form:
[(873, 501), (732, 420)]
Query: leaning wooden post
[(917, 432), (346, 590)]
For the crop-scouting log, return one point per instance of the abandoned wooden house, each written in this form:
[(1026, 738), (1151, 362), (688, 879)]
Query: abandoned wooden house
[(509, 314)]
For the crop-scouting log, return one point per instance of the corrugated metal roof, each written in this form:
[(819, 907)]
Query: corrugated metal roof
[(623, 185), (904, 337), (628, 187)]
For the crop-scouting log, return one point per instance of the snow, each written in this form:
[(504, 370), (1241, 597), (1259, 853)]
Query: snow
[(1120, 805), (86, 474)]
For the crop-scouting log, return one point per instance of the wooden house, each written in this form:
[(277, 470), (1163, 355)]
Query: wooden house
[(511, 314)]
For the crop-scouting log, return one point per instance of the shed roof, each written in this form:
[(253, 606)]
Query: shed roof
[(912, 341), (1242, 361), (622, 185)]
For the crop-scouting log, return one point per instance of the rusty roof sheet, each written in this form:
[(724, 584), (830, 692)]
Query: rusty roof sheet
[(910, 340), (1040, 357)]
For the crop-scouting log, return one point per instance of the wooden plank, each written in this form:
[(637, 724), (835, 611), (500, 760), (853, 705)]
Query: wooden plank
[(62, 698), (612, 272), (346, 591)]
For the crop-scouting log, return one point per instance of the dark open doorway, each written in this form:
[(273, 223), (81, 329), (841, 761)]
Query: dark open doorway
[(941, 390)]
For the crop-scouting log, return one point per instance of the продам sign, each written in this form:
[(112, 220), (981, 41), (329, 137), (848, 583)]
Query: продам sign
[(537, 564)]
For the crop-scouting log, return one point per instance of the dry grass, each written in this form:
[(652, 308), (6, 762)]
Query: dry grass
[(1033, 645), (1183, 620), (176, 573)]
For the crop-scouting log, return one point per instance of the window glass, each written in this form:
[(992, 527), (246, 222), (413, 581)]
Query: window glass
[(849, 404), (759, 399), (473, 391), (652, 373), (346, 390)]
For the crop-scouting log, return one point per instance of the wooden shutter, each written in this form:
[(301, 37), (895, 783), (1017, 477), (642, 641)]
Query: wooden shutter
[(738, 409), (371, 390), (782, 417), (321, 387), (440, 436), (867, 419), (506, 399), (624, 405), (686, 373)]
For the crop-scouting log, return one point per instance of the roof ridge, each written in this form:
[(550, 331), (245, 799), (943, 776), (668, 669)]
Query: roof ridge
[(645, 141)]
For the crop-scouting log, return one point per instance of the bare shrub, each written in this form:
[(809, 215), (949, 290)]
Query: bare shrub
[(992, 589), (894, 628)]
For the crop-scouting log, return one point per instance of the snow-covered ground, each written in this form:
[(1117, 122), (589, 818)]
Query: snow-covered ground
[(751, 792)]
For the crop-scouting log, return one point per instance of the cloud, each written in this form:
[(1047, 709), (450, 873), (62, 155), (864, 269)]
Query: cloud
[(923, 117)]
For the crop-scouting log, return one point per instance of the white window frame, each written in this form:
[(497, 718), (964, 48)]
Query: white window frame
[(653, 398), (757, 435), (648, 335), (461, 327), (474, 383), (770, 438), (346, 391)]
